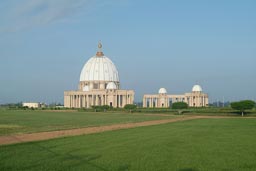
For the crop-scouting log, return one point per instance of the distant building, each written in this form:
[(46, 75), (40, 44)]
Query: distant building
[(31, 105), (194, 99), (99, 85)]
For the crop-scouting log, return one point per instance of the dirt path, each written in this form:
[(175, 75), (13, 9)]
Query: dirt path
[(12, 139)]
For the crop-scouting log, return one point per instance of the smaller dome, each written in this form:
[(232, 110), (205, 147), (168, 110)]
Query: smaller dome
[(197, 88), (111, 86), (86, 88), (162, 91)]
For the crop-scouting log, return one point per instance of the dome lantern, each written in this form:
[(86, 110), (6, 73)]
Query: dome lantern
[(99, 53)]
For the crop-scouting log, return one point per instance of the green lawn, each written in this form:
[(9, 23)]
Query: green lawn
[(195, 145), (26, 121)]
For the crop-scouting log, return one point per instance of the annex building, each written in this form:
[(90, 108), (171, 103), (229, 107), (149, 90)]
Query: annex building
[(196, 98)]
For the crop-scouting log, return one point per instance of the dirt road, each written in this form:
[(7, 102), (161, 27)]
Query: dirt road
[(12, 139)]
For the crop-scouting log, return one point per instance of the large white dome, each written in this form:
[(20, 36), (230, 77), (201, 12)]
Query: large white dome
[(99, 68), (197, 88)]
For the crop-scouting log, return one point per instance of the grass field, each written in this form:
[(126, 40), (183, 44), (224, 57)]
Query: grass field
[(196, 145), (27, 121)]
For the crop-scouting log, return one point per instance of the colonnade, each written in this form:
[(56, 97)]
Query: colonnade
[(74, 100), (155, 102)]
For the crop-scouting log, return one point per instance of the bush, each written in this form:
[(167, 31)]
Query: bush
[(101, 108), (130, 107)]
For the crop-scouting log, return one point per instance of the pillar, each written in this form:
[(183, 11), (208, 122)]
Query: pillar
[(87, 101)]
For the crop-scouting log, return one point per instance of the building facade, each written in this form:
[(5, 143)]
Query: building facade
[(99, 85), (196, 98)]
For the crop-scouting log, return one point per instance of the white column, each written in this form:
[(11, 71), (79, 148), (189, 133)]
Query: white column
[(87, 101)]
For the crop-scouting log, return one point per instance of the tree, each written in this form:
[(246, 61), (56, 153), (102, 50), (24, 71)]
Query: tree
[(179, 106), (130, 107), (243, 105)]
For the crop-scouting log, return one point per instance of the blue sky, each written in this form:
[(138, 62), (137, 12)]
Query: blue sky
[(173, 44)]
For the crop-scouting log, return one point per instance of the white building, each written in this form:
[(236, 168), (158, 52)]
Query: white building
[(99, 85), (196, 98), (31, 105)]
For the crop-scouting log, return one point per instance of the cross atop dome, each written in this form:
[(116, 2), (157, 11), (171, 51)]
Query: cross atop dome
[(99, 45), (99, 53)]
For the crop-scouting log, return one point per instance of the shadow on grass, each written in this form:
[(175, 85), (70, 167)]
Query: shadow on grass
[(67, 159), (124, 167)]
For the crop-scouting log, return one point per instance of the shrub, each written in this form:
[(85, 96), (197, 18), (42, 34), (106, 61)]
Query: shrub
[(130, 107)]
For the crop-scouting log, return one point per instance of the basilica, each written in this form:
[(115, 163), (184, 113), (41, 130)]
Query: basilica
[(100, 85)]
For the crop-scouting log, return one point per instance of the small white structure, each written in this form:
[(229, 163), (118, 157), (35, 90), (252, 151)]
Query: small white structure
[(111, 86), (197, 88), (194, 99), (162, 91), (31, 105)]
